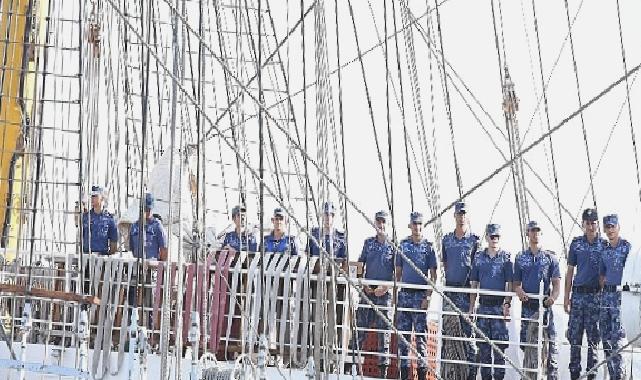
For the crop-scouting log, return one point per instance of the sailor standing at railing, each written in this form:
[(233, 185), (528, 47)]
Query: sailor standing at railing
[(530, 268), (585, 255), (459, 248), (613, 261), (99, 232), (155, 245), (240, 239), (378, 258), (492, 270), (421, 253), (278, 240), (332, 240)]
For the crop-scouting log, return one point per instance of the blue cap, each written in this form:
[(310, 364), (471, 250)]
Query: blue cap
[(237, 210), (533, 225), (279, 212), (459, 208), (611, 220), (328, 208), (493, 229), (416, 217), (381, 215), (149, 201), (590, 215), (96, 190)]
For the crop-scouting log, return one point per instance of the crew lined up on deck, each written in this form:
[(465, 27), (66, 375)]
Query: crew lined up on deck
[(592, 282)]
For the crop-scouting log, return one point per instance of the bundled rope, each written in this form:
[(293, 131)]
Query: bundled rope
[(453, 349)]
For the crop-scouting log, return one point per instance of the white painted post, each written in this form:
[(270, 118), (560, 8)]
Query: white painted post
[(133, 342), (25, 329), (194, 337), (539, 374), (83, 338)]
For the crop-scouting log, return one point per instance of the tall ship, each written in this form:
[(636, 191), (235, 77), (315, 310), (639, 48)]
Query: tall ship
[(305, 173)]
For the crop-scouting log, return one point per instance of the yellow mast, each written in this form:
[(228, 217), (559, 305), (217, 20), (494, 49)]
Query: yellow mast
[(19, 28)]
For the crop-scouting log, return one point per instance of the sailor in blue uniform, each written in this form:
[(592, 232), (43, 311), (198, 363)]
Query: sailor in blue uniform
[(532, 266), (613, 261), (378, 258), (333, 241), (421, 253), (492, 270), (278, 240), (99, 232), (155, 236), (240, 239), (458, 249), (585, 255)]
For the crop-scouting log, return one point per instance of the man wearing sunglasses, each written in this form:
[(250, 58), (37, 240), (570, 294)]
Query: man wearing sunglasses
[(613, 261), (278, 241), (492, 270)]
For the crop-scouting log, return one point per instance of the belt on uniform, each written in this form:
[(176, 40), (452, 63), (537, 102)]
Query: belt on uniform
[(584, 289), (410, 290), (491, 301), (455, 284), (612, 288)]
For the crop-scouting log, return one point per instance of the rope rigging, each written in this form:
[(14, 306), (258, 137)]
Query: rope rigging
[(627, 96), (578, 95), (547, 119)]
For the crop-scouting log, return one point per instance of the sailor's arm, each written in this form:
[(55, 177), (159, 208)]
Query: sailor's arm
[(556, 289), (569, 275), (473, 295)]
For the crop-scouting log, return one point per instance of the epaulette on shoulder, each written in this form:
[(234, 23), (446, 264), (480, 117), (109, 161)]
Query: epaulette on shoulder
[(475, 236), (340, 233), (552, 253)]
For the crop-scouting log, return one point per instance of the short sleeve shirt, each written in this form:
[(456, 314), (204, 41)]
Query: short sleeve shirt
[(586, 257), (422, 255), (246, 241), (333, 243), (613, 261), (286, 244), (531, 269), (378, 259), (492, 272), (458, 254), (155, 239), (98, 229)]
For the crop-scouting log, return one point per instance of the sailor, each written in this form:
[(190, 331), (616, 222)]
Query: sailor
[(333, 241), (613, 261), (585, 255), (458, 249), (240, 239), (378, 259), (155, 236), (277, 240), (421, 253), (99, 232), (492, 270), (532, 266)]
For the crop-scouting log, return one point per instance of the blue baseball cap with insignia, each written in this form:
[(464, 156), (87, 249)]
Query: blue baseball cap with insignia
[(381, 215), (611, 220), (328, 207), (237, 210), (279, 212), (96, 190), (459, 208), (149, 201), (493, 229), (533, 225), (416, 217), (590, 215)]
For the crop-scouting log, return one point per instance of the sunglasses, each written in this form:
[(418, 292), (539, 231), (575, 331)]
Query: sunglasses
[(492, 237)]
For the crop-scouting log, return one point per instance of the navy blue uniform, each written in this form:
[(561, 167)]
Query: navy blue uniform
[(102, 229), (458, 257), (333, 243), (155, 239), (423, 256), (244, 242), (612, 264), (530, 269), (286, 244), (585, 301), (378, 258), (492, 273)]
